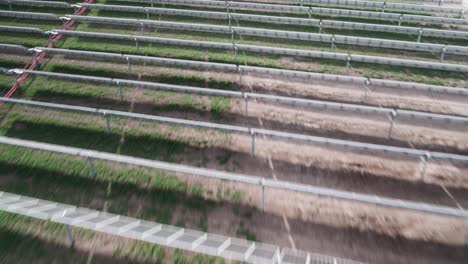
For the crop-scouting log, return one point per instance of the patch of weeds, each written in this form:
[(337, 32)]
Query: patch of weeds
[(141, 251), (236, 196), (224, 158), (218, 106), (180, 258), (244, 231), (196, 190)]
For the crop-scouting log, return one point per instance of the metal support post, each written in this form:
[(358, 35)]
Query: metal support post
[(310, 12), (262, 194), (137, 45), (348, 60), (320, 26), (246, 103), (441, 2), (367, 89), (129, 62), (119, 86), (142, 28), (233, 35), (147, 13), (236, 55), (239, 69), (302, 3), (228, 14), (423, 164), (107, 117), (70, 236), (400, 19), (393, 116), (419, 34), (253, 143), (333, 41), (152, 3), (442, 53), (462, 14), (384, 5), (89, 161)]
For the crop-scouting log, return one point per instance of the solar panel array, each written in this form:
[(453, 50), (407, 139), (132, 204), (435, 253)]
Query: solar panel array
[(156, 233), (292, 8), (387, 5), (299, 75), (346, 57), (285, 20), (362, 109), (279, 34)]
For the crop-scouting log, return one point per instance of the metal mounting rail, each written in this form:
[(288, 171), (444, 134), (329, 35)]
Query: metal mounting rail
[(319, 23), (345, 57), (301, 75), (38, 3), (21, 30), (29, 15), (233, 5), (292, 101), (279, 34), (241, 178), (13, 48), (293, 137), (156, 233)]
